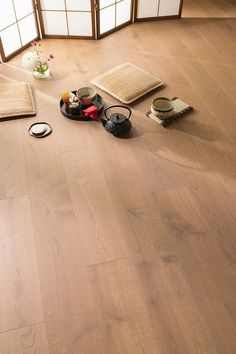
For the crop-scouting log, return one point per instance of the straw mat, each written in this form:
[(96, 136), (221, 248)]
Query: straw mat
[(127, 82), (16, 100), (180, 109)]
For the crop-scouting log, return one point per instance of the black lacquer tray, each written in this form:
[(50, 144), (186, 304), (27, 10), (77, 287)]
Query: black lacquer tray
[(97, 101)]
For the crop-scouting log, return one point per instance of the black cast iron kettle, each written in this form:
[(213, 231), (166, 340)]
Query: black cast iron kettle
[(117, 124)]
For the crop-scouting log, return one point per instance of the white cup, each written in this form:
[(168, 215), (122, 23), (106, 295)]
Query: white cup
[(86, 95), (162, 107)]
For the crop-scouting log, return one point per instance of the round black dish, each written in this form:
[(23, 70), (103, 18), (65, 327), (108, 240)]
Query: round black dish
[(48, 131), (97, 101)]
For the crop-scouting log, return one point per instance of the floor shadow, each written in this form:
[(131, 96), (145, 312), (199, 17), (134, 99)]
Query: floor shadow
[(196, 129), (193, 147), (133, 133)]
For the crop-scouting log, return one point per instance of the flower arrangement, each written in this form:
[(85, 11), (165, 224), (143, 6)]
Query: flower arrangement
[(36, 61)]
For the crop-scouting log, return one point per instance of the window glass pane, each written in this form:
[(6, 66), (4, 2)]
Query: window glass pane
[(169, 8), (104, 3), (123, 12), (79, 23), (27, 27), (52, 4), (10, 40), (54, 22), (7, 15), (23, 8), (107, 19), (80, 5), (147, 8)]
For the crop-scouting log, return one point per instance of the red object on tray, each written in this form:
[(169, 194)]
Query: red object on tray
[(91, 112)]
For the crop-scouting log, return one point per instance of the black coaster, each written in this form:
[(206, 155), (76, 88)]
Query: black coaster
[(40, 130)]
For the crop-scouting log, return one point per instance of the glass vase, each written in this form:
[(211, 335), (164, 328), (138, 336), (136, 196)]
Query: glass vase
[(41, 69)]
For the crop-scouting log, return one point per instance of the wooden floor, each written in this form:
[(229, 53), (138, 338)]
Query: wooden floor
[(125, 246)]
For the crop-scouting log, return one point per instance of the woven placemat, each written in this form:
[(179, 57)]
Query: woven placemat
[(180, 108), (16, 100), (127, 82)]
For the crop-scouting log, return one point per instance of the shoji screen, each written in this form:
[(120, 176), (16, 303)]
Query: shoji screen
[(74, 18), (113, 14), (151, 9), (18, 26)]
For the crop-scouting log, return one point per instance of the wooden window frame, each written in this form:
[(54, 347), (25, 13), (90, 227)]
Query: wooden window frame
[(155, 18), (44, 35), (95, 17), (99, 36), (5, 58)]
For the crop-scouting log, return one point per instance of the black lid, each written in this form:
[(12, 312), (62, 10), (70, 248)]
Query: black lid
[(117, 118)]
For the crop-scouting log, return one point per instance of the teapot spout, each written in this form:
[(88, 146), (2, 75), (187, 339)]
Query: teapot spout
[(104, 121)]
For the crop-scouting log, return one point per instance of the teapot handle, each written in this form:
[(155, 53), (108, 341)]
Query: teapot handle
[(118, 106)]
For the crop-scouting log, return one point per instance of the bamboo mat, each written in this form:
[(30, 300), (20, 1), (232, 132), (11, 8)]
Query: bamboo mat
[(16, 100), (127, 82), (180, 108)]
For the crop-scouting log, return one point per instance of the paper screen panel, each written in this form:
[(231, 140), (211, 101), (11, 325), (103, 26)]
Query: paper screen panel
[(55, 22), (123, 12), (18, 26), (67, 18), (78, 5), (107, 19), (52, 4), (147, 8), (27, 28), (105, 3), (169, 8), (10, 40), (7, 15), (23, 8), (79, 23), (113, 14)]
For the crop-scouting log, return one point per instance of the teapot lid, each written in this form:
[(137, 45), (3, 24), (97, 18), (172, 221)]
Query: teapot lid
[(117, 118)]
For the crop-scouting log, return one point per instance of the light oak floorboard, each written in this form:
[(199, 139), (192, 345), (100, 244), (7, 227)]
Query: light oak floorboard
[(20, 294), (110, 245), (209, 8), (25, 340), (103, 225), (13, 181), (68, 304)]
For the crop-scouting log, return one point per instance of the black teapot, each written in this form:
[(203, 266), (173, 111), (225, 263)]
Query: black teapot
[(117, 124)]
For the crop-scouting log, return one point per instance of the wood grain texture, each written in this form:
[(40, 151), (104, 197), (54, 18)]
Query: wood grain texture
[(151, 307), (25, 340), (20, 295), (12, 162), (122, 307), (118, 246), (209, 8), (68, 305), (98, 218), (195, 243)]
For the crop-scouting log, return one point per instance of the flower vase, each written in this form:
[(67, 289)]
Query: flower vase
[(41, 70)]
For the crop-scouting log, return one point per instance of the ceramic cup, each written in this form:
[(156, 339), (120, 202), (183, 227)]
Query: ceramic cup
[(162, 107), (86, 95)]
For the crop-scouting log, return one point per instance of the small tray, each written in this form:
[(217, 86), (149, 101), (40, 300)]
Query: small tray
[(97, 101), (180, 108)]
